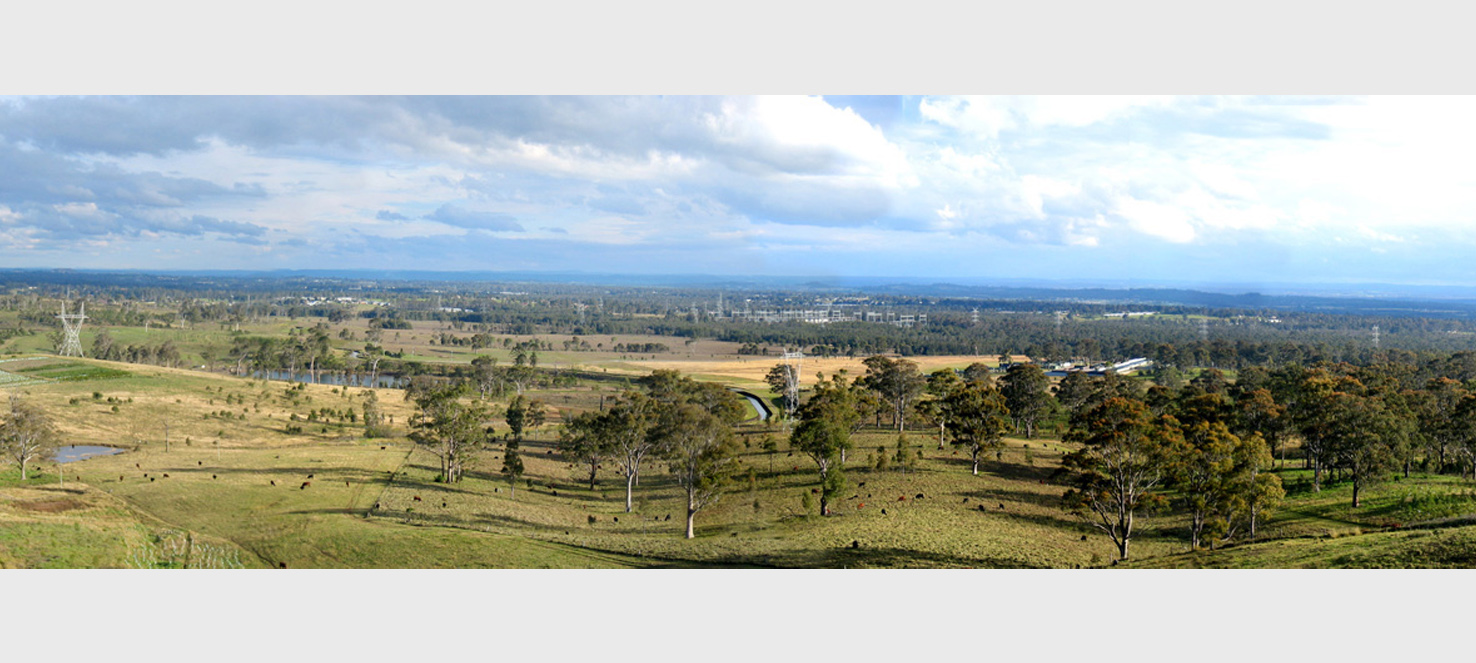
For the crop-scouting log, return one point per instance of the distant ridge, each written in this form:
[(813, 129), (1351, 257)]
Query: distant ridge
[(1360, 299)]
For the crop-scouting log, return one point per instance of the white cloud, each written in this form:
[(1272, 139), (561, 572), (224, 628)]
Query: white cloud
[(1165, 222)]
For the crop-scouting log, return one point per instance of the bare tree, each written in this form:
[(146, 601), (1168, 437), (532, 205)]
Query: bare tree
[(27, 434)]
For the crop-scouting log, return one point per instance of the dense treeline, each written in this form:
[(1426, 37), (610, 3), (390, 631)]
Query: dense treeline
[(1202, 448)]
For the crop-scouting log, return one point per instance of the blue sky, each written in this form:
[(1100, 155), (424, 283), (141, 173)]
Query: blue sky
[(1154, 189)]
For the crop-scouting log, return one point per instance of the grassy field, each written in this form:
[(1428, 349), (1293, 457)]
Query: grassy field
[(262, 474)]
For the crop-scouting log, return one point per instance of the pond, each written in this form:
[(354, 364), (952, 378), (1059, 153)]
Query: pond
[(74, 453), (324, 377)]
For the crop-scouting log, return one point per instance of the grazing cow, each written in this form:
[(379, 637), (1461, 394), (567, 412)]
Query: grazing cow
[(274, 482), (310, 476), (151, 479), (381, 448), (120, 477), (861, 485), (304, 485), (376, 506), (556, 493), (617, 519), (733, 534), (199, 462), (853, 497), (416, 498), (884, 512), (966, 500), (668, 517), (136, 465), (443, 505), (592, 520), (1083, 537), (920, 496), (214, 477), (814, 491), (861, 505), (902, 498), (282, 565), (854, 544), (981, 507)]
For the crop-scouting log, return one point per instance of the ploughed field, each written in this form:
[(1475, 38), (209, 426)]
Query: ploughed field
[(266, 474)]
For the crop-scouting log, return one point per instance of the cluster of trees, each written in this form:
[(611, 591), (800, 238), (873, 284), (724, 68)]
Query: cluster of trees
[(640, 348), (454, 427), (1198, 454), (1207, 443), (309, 349), (163, 354), (687, 424)]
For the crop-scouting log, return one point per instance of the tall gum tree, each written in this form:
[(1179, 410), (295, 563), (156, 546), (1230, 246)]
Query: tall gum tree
[(897, 381), (1116, 473), (699, 450), (979, 418), (1027, 394)]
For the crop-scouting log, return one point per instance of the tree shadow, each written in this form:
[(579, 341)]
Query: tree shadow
[(869, 557)]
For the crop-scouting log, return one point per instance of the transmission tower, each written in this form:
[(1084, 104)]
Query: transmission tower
[(974, 317), (1204, 330), (581, 306), (72, 323), (1060, 316), (1376, 337)]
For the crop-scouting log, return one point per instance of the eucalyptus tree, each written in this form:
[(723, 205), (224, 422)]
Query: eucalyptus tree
[(1027, 394), (1124, 457), (523, 413), (1363, 438), (586, 441), (824, 433), (979, 418), (1439, 428), (628, 435), (699, 450), (897, 381), (941, 383), (449, 428)]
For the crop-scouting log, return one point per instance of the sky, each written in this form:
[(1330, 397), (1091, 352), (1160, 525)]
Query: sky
[(1137, 189)]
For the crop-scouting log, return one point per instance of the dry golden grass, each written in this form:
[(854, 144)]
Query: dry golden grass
[(753, 369)]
